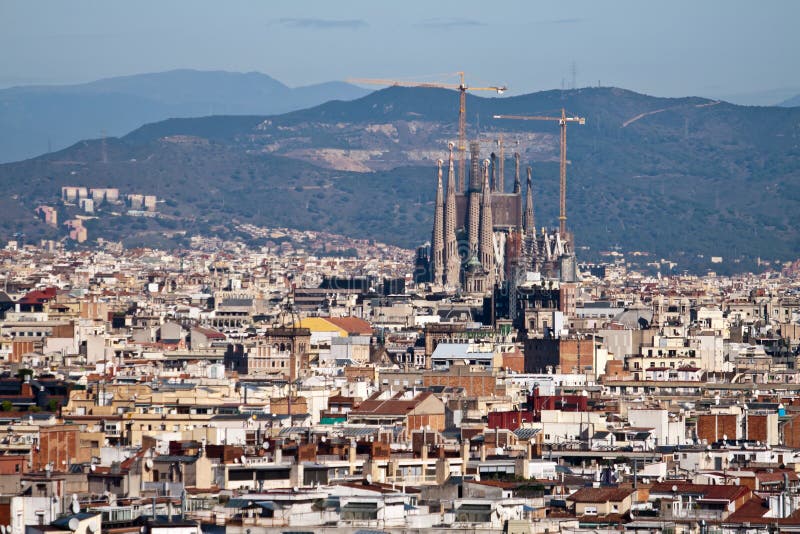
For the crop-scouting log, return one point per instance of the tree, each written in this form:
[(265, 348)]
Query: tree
[(6, 406)]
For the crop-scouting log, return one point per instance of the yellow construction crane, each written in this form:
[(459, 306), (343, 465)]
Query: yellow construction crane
[(562, 120), (462, 88)]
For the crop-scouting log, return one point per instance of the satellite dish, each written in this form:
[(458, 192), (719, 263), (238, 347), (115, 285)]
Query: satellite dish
[(243, 459), (92, 529), (725, 437), (674, 489), (369, 479), (265, 445), (147, 463), (323, 439), (295, 489), (92, 468), (74, 524)]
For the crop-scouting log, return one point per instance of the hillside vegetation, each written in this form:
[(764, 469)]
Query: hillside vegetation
[(680, 178)]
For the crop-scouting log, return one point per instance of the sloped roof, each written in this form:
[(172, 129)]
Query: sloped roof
[(590, 495), (714, 492), (765, 477), (352, 325), (391, 406), (208, 332)]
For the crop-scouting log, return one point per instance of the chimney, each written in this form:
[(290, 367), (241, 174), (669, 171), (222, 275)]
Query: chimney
[(296, 475), (442, 470), (522, 467), (464, 456), (351, 457)]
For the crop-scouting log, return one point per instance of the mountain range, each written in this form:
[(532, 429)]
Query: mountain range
[(791, 102), (38, 119), (678, 178)]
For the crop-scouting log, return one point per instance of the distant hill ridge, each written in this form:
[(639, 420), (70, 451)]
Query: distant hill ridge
[(35, 119), (791, 102), (681, 178)]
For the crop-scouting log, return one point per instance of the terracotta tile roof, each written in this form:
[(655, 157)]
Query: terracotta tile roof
[(589, 495), (752, 511), (209, 333), (353, 325), (776, 476), (713, 492), (38, 296), (391, 406)]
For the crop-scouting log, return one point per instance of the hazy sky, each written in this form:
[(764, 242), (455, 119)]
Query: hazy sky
[(669, 48)]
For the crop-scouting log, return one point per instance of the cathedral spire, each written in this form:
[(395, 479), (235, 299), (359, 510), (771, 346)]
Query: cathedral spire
[(529, 226), (437, 241), (451, 257), (473, 199), (528, 222), (517, 184), (486, 246)]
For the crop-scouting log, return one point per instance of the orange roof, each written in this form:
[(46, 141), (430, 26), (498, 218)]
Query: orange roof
[(353, 325), (592, 495), (391, 406), (716, 492)]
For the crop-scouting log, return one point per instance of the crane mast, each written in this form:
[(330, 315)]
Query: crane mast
[(563, 120), (462, 89)]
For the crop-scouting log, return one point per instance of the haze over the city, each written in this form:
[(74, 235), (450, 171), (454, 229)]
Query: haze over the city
[(739, 51)]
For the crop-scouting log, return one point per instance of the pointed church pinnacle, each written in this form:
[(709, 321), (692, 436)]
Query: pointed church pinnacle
[(437, 241)]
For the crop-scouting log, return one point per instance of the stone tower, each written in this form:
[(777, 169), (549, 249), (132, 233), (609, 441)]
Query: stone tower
[(529, 226), (451, 258), (486, 246), (473, 200), (437, 240)]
